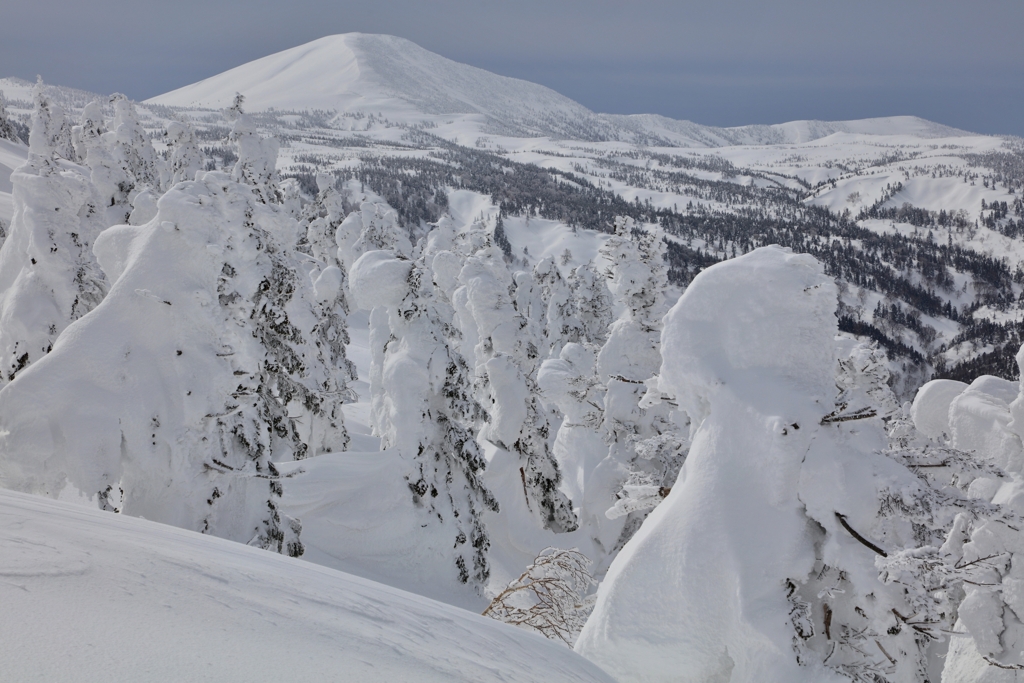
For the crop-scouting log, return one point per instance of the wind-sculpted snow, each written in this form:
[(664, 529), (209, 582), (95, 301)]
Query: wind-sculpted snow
[(813, 533), (89, 596), (986, 419), (748, 352), (801, 539), (48, 276), (930, 410), (764, 510), (979, 418)]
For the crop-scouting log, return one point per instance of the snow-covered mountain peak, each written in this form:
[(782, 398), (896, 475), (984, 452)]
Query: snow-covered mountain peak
[(381, 74), (358, 73)]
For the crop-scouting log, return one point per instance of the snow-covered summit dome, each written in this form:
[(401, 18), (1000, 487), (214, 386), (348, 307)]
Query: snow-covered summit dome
[(396, 78)]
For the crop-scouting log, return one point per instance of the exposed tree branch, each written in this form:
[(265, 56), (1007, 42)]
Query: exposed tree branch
[(866, 542)]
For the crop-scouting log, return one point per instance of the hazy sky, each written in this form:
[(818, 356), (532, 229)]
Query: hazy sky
[(721, 63)]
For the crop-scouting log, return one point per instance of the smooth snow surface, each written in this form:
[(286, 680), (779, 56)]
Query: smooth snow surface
[(930, 410), (356, 72), (93, 596), (358, 517)]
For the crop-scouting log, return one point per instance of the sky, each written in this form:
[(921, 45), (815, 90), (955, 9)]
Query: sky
[(725, 63)]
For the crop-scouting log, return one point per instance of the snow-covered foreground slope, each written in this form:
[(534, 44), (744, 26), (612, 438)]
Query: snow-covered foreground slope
[(91, 596)]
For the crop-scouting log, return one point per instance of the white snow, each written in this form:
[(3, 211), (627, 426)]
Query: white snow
[(379, 279), (359, 75), (365, 73), (749, 354), (748, 350), (11, 157), (930, 410), (979, 419), (358, 517), (90, 596)]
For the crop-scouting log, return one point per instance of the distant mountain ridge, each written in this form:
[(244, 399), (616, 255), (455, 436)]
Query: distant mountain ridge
[(18, 92), (380, 74)]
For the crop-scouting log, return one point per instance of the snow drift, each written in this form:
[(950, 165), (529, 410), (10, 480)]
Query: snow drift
[(130, 599)]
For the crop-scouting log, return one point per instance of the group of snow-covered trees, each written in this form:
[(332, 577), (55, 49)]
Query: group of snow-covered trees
[(199, 353), (209, 324), (170, 335), (818, 531), (468, 351)]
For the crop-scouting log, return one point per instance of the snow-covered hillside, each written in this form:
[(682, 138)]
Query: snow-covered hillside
[(376, 74), (455, 334), (356, 73), (892, 190), (89, 596)]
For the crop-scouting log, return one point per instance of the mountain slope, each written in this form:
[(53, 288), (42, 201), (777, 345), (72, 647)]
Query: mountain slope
[(356, 73), (18, 95), (130, 599), (687, 133)]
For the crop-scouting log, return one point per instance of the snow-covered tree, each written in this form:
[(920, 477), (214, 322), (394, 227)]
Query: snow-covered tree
[(443, 247), (592, 303), (48, 274), (637, 279), (657, 459), (550, 597), (590, 478), (185, 157), (891, 623), (199, 372), (562, 325), (121, 160), (87, 135), (374, 227), (379, 230), (530, 305), (222, 336), (643, 449), (307, 363), (321, 218), (319, 222), (7, 130), (506, 363), (132, 143), (257, 156), (981, 558), (427, 410), (826, 510)]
